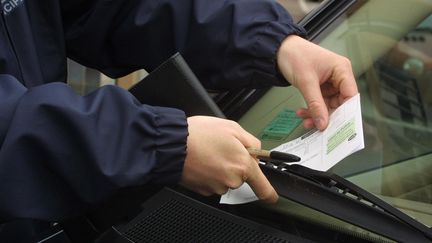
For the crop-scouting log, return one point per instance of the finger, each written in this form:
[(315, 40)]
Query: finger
[(347, 91), (344, 81), (221, 190), (260, 185), (312, 94), (248, 140), (335, 101), (307, 120), (203, 192), (303, 113), (328, 89), (308, 123)]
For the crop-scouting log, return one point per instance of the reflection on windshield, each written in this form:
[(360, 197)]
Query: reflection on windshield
[(389, 43), (392, 58)]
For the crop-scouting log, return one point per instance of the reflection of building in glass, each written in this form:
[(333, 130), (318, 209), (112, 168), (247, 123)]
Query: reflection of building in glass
[(412, 56), (400, 87), (419, 43), (400, 95)]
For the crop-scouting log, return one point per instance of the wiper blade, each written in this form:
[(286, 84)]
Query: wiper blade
[(338, 197)]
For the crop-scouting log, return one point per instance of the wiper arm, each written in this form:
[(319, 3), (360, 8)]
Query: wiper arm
[(335, 196)]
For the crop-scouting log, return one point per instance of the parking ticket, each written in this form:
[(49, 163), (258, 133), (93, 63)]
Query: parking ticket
[(318, 150)]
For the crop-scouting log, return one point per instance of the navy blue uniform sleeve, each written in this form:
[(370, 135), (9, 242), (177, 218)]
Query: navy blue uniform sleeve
[(228, 43), (61, 152)]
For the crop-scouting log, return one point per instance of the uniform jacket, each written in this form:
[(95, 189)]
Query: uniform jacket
[(61, 152)]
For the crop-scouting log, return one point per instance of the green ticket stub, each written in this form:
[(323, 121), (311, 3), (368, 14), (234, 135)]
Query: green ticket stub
[(281, 126), (346, 132)]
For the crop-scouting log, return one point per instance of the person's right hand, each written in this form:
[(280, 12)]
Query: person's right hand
[(217, 159), (324, 78)]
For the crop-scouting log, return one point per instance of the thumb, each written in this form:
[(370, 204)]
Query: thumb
[(317, 108)]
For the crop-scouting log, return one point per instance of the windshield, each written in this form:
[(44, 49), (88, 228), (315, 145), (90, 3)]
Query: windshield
[(390, 45), (300, 8)]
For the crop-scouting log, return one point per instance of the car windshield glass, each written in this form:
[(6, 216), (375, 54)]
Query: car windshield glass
[(300, 8), (389, 43)]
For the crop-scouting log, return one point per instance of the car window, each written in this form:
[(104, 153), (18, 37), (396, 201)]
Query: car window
[(84, 80), (300, 8), (390, 45)]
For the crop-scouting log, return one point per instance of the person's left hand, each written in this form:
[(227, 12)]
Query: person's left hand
[(217, 159), (324, 78)]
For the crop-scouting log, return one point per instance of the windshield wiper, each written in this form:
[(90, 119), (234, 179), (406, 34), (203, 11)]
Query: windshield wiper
[(336, 196)]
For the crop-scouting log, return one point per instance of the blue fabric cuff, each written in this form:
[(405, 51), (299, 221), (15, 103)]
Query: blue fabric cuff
[(171, 147)]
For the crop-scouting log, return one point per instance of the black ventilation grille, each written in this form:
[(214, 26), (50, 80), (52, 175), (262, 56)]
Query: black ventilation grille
[(175, 220)]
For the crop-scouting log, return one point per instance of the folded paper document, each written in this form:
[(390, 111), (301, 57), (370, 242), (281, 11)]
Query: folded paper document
[(318, 150)]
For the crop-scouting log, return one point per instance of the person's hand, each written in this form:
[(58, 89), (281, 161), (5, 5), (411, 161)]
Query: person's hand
[(217, 159), (324, 78)]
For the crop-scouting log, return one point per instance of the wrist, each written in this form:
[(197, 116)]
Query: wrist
[(285, 54)]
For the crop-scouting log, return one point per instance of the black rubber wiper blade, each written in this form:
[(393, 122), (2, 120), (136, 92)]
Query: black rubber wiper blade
[(335, 196)]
